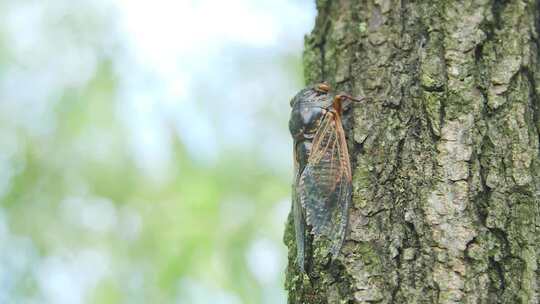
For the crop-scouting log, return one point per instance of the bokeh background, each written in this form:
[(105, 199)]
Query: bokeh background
[(144, 149)]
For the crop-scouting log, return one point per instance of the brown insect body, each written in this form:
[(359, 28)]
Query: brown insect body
[(322, 184)]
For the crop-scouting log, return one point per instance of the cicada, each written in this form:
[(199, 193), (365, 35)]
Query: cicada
[(322, 182)]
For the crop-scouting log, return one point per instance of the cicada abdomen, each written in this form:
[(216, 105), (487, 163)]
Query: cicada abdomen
[(322, 182)]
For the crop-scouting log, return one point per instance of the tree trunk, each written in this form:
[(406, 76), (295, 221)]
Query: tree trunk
[(445, 158)]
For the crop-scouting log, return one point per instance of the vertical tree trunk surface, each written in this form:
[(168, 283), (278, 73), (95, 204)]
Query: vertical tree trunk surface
[(445, 159)]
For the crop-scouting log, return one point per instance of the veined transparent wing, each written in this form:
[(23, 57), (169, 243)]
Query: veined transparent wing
[(325, 183)]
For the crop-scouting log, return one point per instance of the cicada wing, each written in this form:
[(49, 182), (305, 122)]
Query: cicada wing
[(299, 229), (340, 215), (325, 183), (299, 222)]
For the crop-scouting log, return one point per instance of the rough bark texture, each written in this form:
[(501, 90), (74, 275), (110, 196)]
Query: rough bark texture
[(446, 184)]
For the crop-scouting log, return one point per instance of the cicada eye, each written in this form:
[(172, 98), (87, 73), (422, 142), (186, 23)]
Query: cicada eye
[(323, 87)]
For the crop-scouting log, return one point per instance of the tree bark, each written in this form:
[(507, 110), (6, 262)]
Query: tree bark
[(445, 158)]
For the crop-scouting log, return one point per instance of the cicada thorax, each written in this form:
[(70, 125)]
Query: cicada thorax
[(308, 109)]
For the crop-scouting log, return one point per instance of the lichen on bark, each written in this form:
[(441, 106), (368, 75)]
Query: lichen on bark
[(445, 158)]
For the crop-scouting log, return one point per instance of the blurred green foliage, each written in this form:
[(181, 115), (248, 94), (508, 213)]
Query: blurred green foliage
[(83, 220)]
